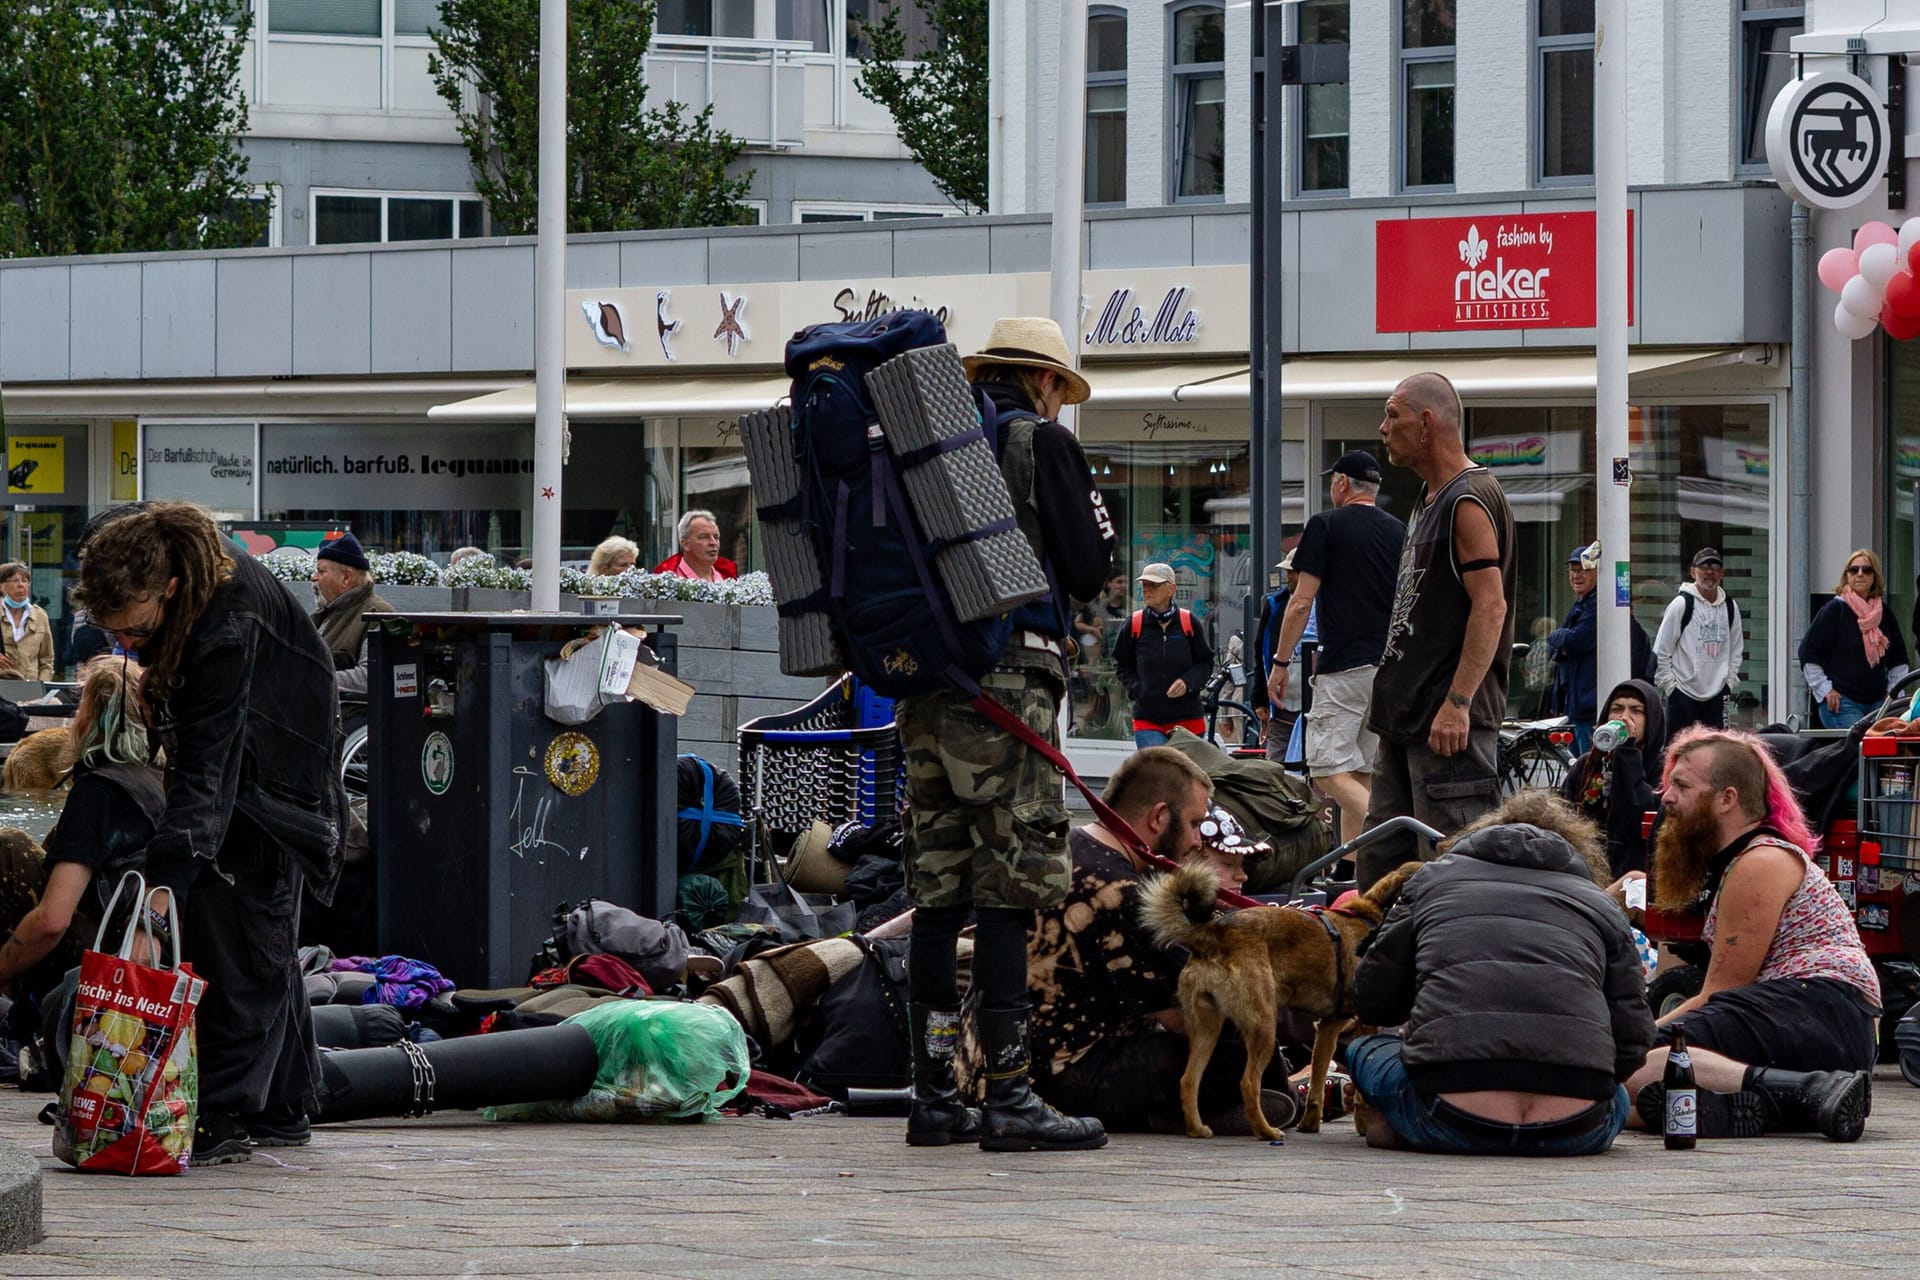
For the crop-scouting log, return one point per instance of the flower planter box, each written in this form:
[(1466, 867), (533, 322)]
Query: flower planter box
[(406, 599)]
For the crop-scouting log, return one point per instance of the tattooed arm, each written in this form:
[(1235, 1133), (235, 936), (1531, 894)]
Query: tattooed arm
[(1755, 891)]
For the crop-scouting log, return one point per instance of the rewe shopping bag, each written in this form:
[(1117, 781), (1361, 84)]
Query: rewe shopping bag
[(132, 1084)]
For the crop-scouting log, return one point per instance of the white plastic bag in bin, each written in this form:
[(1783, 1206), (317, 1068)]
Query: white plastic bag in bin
[(595, 675)]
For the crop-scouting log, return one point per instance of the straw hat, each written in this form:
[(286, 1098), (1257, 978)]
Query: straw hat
[(811, 867), (1033, 341)]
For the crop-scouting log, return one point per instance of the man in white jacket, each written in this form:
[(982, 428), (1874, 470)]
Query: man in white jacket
[(1700, 649)]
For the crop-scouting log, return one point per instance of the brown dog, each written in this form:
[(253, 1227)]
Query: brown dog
[(1245, 967), (39, 761)]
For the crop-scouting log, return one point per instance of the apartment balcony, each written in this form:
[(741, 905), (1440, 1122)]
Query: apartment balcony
[(757, 88)]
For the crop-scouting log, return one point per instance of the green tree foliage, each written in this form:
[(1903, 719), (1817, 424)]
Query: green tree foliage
[(627, 167), (940, 105), (120, 123)]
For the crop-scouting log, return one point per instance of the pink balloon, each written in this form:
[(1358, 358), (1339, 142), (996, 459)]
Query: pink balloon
[(1875, 233), (1837, 266)]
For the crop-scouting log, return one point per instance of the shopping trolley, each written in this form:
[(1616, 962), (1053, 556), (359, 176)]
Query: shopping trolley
[(837, 759)]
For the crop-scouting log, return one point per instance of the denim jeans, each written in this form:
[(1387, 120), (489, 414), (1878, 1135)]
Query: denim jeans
[(1582, 739), (1428, 1124), (1848, 715), (1149, 738)]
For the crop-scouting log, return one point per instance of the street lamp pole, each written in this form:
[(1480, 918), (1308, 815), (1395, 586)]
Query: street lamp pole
[(549, 309), (1069, 181), (1612, 473)]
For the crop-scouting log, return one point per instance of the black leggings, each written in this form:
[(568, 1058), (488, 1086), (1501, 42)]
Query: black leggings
[(999, 956), (1130, 1082)]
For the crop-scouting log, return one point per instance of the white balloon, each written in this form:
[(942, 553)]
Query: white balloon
[(1851, 325), (1878, 262), (1909, 236), (1862, 298)]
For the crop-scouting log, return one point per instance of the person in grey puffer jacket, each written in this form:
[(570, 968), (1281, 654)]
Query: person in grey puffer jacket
[(1517, 990)]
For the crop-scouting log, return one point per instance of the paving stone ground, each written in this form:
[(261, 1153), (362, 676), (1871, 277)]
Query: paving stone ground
[(744, 1198)]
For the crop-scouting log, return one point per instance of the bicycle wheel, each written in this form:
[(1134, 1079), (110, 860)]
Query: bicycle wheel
[(1532, 766)]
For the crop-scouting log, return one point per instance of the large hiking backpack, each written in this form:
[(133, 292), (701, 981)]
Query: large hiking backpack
[(894, 487)]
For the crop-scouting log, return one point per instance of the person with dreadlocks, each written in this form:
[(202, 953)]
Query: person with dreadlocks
[(110, 815), (239, 691)]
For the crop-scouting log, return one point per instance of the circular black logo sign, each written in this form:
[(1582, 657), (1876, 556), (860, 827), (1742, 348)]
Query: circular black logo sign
[(1838, 142)]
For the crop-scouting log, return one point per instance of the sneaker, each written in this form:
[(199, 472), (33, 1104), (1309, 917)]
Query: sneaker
[(1335, 1101), (1720, 1115), (1280, 1106), (219, 1137), (281, 1126)]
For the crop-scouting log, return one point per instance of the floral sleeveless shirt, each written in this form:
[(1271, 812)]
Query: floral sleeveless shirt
[(1816, 937)]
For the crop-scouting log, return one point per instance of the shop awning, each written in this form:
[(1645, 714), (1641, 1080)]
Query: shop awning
[(1547, 373), (625, 398)]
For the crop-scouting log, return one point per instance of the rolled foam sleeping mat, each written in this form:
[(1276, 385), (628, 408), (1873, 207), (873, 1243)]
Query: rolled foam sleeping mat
[(361, 1026), (807, 646), (539, 1064)]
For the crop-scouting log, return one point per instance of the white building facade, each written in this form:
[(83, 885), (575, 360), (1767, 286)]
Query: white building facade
[(350, 142)]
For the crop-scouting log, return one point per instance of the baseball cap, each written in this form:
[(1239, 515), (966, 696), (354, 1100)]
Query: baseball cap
[(1577, 553), (1705, 556), (1156, 572), (1356, 464)]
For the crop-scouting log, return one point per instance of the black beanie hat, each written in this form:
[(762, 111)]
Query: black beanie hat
[(346, 550)]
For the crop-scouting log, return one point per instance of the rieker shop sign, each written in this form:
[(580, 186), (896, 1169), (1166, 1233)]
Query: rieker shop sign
[(1523, 271)]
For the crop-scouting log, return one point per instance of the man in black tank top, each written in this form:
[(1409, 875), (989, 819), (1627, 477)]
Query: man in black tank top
[(1442, 688)]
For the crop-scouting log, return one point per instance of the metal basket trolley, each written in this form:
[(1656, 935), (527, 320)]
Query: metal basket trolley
[(1889, 836), (836, 759)]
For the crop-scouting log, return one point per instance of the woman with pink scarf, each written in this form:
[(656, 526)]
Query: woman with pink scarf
[(1853, 653)]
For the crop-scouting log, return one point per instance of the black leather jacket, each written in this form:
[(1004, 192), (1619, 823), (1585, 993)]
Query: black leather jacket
[(250, 733)]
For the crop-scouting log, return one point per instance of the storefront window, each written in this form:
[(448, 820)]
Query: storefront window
[(1900, 550)]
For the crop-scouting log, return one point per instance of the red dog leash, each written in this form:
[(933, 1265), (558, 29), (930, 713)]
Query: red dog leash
[(1112, 821)]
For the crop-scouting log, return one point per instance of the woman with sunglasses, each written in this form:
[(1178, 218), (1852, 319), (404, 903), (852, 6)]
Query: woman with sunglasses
[(1853, 653)]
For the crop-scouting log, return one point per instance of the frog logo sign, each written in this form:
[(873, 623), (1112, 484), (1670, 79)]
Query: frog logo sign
[(1827, 140), (436, 763)]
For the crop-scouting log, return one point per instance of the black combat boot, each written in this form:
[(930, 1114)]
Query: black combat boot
[(939, 1116), (1015, 1119), (1830, 1103)]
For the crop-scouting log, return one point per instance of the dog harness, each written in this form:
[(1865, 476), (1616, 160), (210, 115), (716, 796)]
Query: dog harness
[(1339, 955)]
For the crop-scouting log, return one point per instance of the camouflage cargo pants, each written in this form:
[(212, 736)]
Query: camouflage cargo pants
[(986, 817)]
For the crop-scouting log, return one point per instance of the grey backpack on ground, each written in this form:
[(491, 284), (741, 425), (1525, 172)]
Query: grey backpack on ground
[(658, 950)]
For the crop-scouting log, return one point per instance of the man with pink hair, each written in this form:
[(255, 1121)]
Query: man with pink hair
[(1782, 1032)]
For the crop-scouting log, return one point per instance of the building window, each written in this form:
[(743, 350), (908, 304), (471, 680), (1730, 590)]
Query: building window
[(416, 17), (1323, 107), (1199, 99), (1106, 107), (1426, 93), (806, 212), (1564, 63), (921, 34), (1767, 28), (705, 18), (809, 20), (362, 217), (324, 17)]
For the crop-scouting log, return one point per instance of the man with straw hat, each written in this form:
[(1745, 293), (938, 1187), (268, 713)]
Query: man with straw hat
[(986, 828)]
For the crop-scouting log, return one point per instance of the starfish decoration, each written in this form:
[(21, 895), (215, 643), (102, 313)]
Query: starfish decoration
[(732, 330), (546, 491)]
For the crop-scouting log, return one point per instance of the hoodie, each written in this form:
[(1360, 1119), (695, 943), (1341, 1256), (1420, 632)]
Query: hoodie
[(1507, 967), (1615, 789), (1703, 660)]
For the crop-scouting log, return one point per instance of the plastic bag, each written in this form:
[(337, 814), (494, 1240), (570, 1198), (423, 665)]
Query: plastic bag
[(595, 675), (659, 1060)]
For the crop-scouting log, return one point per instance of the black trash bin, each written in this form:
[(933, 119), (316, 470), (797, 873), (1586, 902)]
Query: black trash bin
[(484, 814)]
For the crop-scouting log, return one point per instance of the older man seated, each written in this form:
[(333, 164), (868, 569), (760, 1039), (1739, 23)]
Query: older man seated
[(698, 535), (1782, 1033), (1106, 1034), (343, 585)]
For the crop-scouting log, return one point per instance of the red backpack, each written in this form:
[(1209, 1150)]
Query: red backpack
[(1186, 623)]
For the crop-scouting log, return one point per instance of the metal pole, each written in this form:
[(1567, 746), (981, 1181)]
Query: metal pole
[(1069, 179), (549, 309), (1611, 513), (1800, 428), (1267, 521)]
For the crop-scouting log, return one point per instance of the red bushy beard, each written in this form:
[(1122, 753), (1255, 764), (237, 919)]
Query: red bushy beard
[(1687, 841)]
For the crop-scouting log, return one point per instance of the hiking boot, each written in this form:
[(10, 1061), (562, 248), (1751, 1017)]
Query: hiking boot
[(939, 1115), (1281, 1107), (219, 1137), (1015, 1119), (281, 1126), (1720, 1115), (1830, 1103)]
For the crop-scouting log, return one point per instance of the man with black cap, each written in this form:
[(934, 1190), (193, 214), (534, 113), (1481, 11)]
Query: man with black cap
[(1575, 649), (1356, 603), (343, 584), (1700, 648)]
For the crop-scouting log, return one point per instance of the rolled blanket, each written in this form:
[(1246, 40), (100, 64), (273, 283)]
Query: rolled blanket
[(769, 994)]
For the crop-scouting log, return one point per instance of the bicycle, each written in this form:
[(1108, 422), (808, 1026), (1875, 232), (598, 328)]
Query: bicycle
[(1534, 754), (1213, 698)]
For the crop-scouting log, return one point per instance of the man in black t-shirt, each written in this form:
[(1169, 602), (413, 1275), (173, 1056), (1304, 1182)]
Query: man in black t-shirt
[(1355, 605)]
